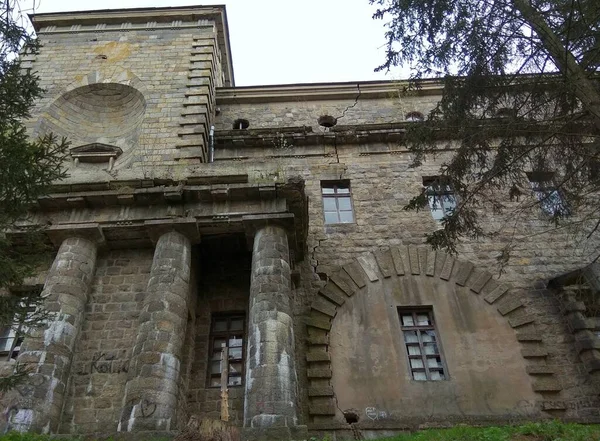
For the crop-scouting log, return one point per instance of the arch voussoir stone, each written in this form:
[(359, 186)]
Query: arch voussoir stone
[(400, 261)]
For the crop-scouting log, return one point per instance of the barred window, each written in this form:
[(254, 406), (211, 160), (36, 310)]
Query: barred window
[(422, 344), (227, 331)]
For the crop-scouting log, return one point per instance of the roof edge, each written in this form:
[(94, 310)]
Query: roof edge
[(328, 91), (217, 13)]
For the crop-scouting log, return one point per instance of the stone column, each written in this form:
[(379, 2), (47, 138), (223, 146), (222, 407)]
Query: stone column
[(150, 400), (50, 354), (271, 383)]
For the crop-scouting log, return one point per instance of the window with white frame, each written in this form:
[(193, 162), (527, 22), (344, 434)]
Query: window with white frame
[(440, 196), (337, 202)]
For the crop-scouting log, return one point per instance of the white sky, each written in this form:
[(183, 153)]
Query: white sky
[(284, 41)]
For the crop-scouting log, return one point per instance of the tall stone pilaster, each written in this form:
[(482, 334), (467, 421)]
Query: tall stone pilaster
[(271, 382), (48, 355), (150, 400)]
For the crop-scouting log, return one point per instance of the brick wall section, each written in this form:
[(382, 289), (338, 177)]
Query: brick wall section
[(102, 354)]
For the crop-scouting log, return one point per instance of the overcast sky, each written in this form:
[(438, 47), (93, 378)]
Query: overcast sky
[(284, 41)]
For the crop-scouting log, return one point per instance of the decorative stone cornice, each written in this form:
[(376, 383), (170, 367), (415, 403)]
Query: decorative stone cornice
[(324, 91), (304, 136), (129, 217)]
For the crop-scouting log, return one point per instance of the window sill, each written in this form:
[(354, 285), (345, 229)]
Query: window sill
[(335, 228)]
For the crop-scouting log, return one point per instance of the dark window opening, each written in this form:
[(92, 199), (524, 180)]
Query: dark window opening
[(227, 331), (422, 344), (414, 117), (241, 124)]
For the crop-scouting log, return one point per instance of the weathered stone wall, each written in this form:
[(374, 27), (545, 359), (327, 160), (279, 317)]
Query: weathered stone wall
[(382, 183), (305, 111), (148, 92), (483, 364), (103, 352), (170, 74)]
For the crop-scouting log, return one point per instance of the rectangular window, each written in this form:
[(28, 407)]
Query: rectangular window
[(337, 202), (550, 198), (422, 344), (441, 197), (9, 343), (227, 331), (25, 314)]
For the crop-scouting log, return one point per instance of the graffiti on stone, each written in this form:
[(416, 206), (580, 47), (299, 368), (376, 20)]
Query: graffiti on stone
[(103, 363), (375, 414), (145, 407)]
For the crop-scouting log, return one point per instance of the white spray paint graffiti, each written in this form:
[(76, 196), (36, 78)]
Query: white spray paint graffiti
[(375, 414)]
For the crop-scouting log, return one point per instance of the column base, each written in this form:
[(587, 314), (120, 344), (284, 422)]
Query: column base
[(293, 433)]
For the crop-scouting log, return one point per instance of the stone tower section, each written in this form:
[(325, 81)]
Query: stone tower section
[(133, 90)]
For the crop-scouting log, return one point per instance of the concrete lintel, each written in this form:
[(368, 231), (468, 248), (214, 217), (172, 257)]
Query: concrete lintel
[(90, 231), (186, 226)]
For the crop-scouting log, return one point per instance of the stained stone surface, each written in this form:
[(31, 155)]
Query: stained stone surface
[(49, 355), (151, 393), (271, 387)]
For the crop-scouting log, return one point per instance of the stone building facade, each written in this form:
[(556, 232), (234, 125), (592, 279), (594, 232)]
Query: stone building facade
[(270, 220)]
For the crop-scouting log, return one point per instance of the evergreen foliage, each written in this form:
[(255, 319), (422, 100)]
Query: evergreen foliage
[(28, 165), (521, 95)]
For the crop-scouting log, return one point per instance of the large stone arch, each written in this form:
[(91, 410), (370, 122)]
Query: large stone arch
[(399, 262)]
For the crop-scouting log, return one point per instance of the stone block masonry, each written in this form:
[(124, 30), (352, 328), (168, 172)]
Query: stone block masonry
[(103, 352), (150, 399), (271, 378), (138, 329), (49, 356)]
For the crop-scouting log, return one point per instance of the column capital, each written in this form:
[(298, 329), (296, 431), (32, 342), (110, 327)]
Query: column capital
[(90, 231), (254, 222), (186, 226)]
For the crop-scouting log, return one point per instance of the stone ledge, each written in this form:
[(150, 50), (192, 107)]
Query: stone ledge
[(89, 231), (186, 226)]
